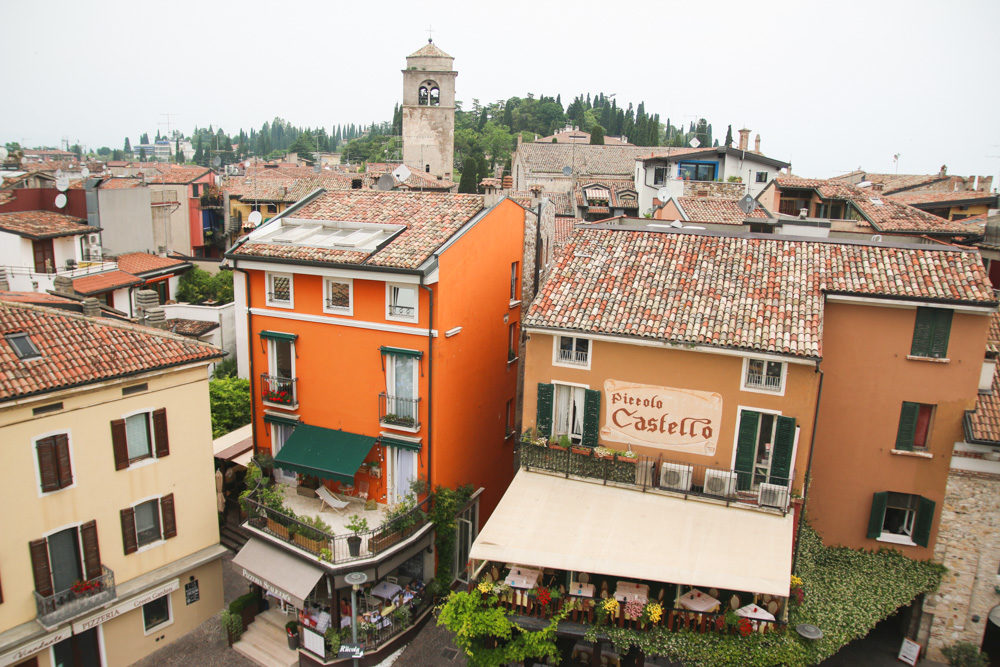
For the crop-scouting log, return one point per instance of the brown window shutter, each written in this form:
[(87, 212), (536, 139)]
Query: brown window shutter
[(119, 442), (63, 464), (91, 550), (167, 511), (128, 531), (160, 432), (1, 592), (47, 468), (40, 566)]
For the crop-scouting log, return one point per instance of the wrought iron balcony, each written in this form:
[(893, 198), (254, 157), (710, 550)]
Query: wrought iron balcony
[(399, 411), (278, 390), (79, 598)]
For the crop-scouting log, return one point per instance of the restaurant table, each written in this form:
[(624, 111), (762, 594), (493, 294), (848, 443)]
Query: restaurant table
[(755, 612), (581, 590), (695, 600), (386, 590), (522, 577), (629, 590)]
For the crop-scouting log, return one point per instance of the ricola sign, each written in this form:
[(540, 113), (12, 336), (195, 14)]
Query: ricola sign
[(682, 420)]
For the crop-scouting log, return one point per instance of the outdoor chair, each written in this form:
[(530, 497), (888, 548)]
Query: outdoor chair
[(327, 498)]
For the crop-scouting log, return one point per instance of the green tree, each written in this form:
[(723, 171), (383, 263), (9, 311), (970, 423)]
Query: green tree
[(304, 145), (128, 146), (229, 399), (729, 136), (597, 135), (198, 286), (142, 155), (467, 184), (144, 138)]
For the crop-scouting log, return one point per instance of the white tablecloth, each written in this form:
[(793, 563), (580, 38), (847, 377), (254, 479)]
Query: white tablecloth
[(581, 590), (386, 590), (695, 600), (522, 577), (627, 590), (755, 612)]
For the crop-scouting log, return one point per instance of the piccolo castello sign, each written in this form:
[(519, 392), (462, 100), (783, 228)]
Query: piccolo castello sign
[(682, 420)]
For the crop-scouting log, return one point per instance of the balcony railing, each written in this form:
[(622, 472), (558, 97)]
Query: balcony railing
[(574, 357), (399, 411), (373, 636), (327, 546), (401, 311), (75, 600), (748, 488), (278, 390), (761, 381)]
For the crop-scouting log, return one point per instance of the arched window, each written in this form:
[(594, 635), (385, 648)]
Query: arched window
[(423, 96), (429, 94), (435, 97)]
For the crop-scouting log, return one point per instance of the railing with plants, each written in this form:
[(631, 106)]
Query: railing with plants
[(267, 512), (643, 472), (398, 410), (373, 636), (82, 596), (277, 389)]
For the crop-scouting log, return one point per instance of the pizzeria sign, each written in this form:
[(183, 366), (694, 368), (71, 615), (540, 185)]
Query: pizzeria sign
[(683, 420)]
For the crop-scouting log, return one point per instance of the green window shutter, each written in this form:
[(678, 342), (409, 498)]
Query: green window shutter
[(923, 331), (907, 425), (781, 456), (923, 522), (744, 448), (942, 330), (543, 415), (879, 501), (591, 417)]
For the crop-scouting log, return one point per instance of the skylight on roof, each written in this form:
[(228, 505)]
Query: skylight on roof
[(875, 200), (333, 234), (23, 347)]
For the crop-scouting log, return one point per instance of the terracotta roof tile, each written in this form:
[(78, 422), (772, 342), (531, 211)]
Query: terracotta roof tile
[(104, 282), (928, 197), (120, 183), (33, 297), (174, 174), (755, 293), (983, 423), (429, 50), (76, 350), (716, 209), (190, 328), (138, 263), (586, 160), (430, 219), (43, 224)]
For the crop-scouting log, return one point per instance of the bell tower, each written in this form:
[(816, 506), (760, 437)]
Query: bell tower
[(429, 111)]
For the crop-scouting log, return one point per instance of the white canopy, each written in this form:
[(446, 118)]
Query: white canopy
[(566, 524)]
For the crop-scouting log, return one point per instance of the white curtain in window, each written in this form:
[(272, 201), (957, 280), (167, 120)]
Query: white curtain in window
[(402, 385), (137, 434), (406, 471), (569, 410)]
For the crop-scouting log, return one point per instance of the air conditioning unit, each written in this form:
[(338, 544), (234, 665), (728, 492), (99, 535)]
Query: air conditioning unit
[(720, 482), (71, 263), (94, 239), (675, 477), (773, 495)]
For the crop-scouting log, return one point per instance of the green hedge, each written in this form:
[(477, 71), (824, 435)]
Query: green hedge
[(237, 605)]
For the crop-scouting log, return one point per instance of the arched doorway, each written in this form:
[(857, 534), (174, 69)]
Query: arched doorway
[(991, 638)]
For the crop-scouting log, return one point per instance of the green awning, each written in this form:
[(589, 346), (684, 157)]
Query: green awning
[(278, 335), (280, 419), (400, 444), (324, 453), (400, 351)]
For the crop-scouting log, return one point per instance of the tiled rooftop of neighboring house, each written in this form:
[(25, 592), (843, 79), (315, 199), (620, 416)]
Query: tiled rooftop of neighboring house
[(753, 293), (43, 224), (104, 282), (430, 219), (589, 190), (983, 423), (885, 214), (915, 198), (76, 350), (190, 328), (120, 183), (33, 297), (891, 182), (580, 137), (174, 174), (716, 210), (138, 263), (586, 160), (563, 231)]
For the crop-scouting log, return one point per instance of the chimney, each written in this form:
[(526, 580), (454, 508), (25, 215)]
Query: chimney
[(155, 317), (519, 138), (877, 187), (744, 139), (63, 285), (145, 301), (756, 144), (944, 170), (91, 307), (4, 285)]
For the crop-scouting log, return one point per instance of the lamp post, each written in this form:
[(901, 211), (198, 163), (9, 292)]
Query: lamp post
[(355, 579)]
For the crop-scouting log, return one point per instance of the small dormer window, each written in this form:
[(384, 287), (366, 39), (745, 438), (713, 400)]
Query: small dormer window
[(23, 347)]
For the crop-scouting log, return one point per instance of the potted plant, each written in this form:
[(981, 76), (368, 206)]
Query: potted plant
[(332, 638), (356, 525), (292, 632), (374, 469), (558, 444)]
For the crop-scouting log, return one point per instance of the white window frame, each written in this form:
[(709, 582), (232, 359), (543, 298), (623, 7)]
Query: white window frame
[(390, 386), (568, 364), (166, 623), (666, 174), (152, 458), (389, 303), (159, 508), (762, 390), (282, 475), (269, 276), (895, 538), (350, 296), (38, 471), (272, 356), (555, 409)]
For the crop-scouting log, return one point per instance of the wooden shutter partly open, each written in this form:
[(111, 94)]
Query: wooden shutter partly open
[(923, 521), (781, 455), (64, 466), (167, 513), (160, 432), (129, 541), (942, 331), (749, 421), (47, 467), (907, 425), (923, 330), (591, 417), (91, 550), (877, 516), (119, 443), (40, 566), (543, 412)]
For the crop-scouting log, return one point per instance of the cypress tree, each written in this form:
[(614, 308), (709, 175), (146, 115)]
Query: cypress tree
[(597, 135), (729, 136)]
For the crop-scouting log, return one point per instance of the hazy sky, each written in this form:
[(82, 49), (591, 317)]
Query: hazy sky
[(830, 86)]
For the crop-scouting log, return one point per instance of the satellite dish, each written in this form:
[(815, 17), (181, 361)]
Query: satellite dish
[(567, 171), (401, 173), (24, 160), (663, 194), (254, 218), (694, 143), (84, 172), (386, 182), (216, 161), (747, 204), (3, 153), (62, 182), (60, 200), (247, 164)]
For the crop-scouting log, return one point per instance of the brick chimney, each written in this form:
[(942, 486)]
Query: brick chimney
[(944, 170), (63, 285), (4, 285), (756, 144), (91, 307), (155, 317), (145, 301), (744, 139)]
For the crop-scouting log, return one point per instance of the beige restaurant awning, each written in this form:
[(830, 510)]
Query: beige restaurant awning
[(566, 524), (281, 574)]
